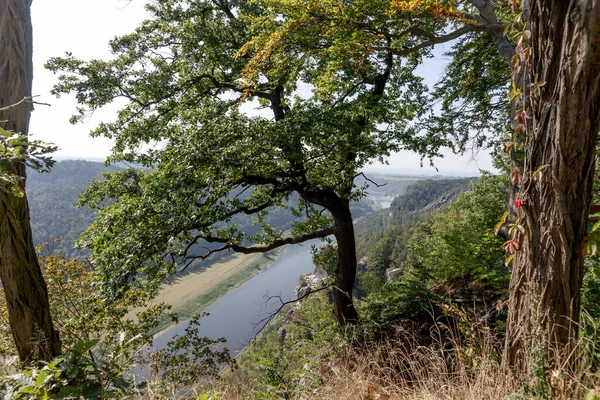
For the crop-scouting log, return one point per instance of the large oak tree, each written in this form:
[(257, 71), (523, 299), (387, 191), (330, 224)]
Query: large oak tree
[(239, 132), (336, 88), (189, 74)]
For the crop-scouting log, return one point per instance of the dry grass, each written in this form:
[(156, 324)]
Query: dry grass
[(453, 366), (183, 289), (188, 286), (392, 371), (402, 369), (431, 379), (398, 368)]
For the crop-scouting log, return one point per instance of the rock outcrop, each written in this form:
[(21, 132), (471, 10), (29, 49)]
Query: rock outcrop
[(392, 273)]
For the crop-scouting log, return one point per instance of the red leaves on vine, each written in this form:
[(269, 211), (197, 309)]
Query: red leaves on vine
[(516, 177), (512, 245), (518, 203)]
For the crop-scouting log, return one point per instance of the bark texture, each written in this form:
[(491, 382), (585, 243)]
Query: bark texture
[(343, 230), (22, 280), (562, 133), (346, 272)]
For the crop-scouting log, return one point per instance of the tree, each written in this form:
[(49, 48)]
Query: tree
[(187, 76), (22, 280), (560, 119), (189, 72), (553, 114)]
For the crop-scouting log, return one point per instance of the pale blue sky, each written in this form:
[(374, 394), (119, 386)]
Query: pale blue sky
[(84, 28)]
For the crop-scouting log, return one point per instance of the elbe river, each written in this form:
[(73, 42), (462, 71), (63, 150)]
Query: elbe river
[(237, 315)]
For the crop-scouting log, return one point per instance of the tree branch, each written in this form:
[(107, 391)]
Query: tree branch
[(231, 86), (271, 246), (188, 259), (26, 99), (433, 40), (489, 22), (223, 6), (369, 180), (267, 320)]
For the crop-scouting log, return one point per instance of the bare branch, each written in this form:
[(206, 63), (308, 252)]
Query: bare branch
[(271, 246), (188, 259), (265, 321), (26, 99), (369, 180), (433, 40)]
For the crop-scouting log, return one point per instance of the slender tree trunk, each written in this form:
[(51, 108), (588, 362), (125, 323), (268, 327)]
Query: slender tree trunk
[(346, 271), (557, 181), (22, 280)]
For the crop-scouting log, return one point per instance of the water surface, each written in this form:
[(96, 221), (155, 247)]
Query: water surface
[(237, 315)]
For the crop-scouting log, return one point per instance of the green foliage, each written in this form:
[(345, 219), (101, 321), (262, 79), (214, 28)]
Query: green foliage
[(103, 341), (276, 367), (379, 260), (403, 297), (410, 204), (187, 77), (590, 292), (457, 241), (15, 149), (76, 374), (474, 106), (460, 240), (82, 316)]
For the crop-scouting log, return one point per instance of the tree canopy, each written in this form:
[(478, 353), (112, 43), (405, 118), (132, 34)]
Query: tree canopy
[(228, 123)]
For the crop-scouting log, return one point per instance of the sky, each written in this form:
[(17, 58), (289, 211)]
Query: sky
[(84, 27)]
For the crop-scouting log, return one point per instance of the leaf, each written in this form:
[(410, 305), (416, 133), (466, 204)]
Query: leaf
[(591, 394), (509, 260), (597, 224), (501, 222), (41, 377)]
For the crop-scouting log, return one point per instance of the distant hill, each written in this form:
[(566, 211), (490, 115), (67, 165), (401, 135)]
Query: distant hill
[(384, 188), (52, 201), (426, 196), (53, 197), (419, 198)]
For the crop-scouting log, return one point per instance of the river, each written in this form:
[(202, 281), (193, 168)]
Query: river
[(236, 315)]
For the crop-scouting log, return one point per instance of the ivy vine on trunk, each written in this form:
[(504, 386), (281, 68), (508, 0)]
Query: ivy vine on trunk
[(556, 182)]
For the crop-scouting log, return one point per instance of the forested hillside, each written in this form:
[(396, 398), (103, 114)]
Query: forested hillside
[(418, 199), (57, 220), (53, 202)]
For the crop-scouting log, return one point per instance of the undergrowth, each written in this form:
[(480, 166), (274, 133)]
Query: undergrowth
[(461, 360)]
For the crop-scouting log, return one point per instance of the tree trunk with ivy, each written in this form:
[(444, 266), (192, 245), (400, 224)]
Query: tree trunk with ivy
[(22, 280), (556, 182)]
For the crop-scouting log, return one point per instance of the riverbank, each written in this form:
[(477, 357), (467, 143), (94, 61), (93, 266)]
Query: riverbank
[(238, 316), (195, 292)]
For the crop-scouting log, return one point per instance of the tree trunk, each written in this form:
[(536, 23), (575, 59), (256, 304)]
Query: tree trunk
[(22, 280), (557, 181), (346, 270)]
